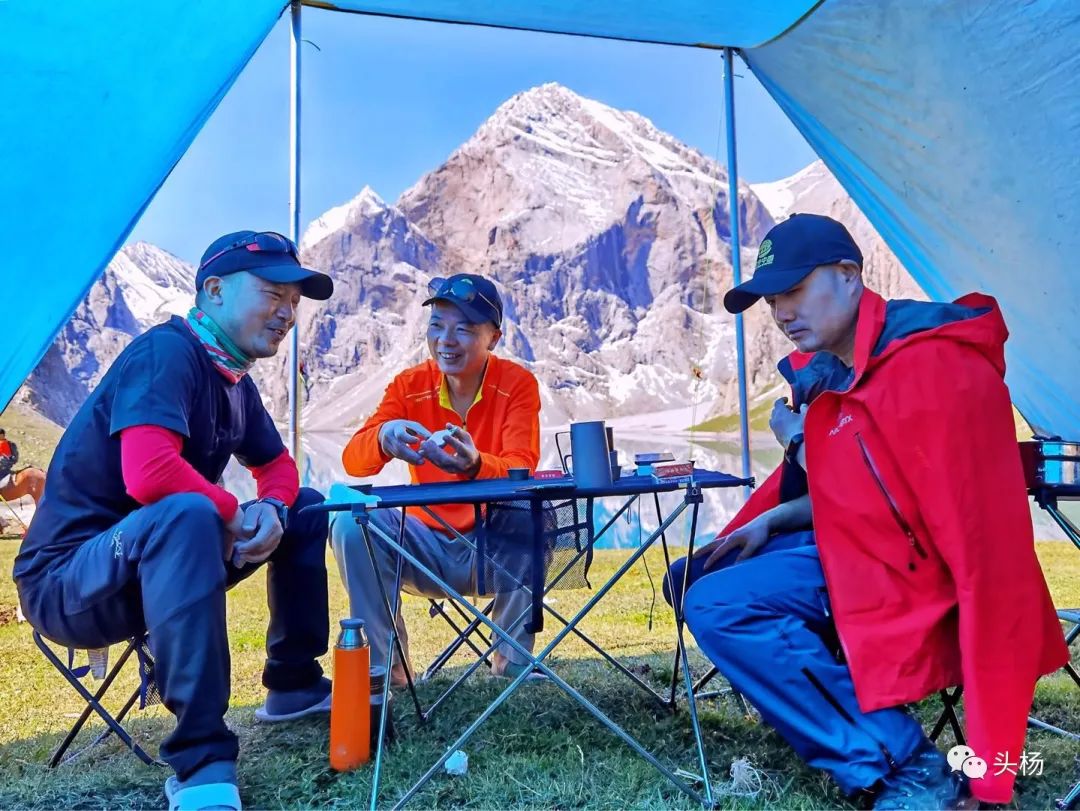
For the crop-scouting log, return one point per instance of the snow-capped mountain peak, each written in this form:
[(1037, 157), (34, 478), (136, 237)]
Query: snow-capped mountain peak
[(551, 169), (812, 189), (366, 204), (153, 283), (559, 119), (142, 286), (607, 238), (815, 190)]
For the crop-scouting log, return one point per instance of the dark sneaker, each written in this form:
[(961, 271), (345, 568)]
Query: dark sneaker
[(923, 782)]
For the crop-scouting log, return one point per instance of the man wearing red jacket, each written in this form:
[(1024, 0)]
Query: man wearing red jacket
[(134, 534), (921, 563)]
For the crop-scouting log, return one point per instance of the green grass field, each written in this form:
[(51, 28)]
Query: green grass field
[(729, 423), (540, 750)]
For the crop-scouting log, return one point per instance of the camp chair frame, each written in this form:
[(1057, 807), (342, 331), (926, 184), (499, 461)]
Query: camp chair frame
[(951, 698), (1071, 799), (464, 635), (94, 705)]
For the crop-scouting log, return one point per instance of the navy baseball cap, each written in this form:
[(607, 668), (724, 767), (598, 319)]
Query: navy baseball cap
[(788, 254), (474, 295), (266, 254)]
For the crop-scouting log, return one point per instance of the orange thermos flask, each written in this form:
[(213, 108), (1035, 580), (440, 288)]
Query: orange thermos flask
[(350, 702)]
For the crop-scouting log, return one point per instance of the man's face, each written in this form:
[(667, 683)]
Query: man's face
[(459, 347), (255, 313), (819, 313)]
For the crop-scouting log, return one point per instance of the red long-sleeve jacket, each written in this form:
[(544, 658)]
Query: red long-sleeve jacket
[(922, 520)]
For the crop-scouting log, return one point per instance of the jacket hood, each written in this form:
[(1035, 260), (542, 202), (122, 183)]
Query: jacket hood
[(885, 327)]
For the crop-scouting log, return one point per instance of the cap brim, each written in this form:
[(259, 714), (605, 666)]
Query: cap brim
[(471, 313), (313, 284), (771, 283)]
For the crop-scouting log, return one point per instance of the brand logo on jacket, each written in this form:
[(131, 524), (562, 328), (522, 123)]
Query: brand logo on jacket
[(844, 419)]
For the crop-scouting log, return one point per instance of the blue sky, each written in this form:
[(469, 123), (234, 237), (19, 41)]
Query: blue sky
[(386, 100)]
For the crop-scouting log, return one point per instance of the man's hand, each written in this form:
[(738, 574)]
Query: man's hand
[(750, 538), (261, 531), (397, 437), (464, 461), (785, 423), (234, 530)]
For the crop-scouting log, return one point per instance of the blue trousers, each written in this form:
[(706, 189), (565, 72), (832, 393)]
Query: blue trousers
[(766, 624), (160, 569)]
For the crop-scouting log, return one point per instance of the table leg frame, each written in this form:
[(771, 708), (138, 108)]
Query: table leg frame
[(537, 662)]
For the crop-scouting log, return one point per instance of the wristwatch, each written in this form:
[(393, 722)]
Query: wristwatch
[(281, 507), (791, 452)]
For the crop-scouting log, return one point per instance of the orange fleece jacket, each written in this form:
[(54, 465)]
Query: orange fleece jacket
[(503, 421)]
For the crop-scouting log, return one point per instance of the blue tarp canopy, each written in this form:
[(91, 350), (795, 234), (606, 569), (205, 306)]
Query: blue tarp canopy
[(700, 23), (100, 102), (952, 123)]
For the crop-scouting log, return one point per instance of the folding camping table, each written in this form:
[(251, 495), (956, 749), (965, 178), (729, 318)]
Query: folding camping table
[(360, 500)]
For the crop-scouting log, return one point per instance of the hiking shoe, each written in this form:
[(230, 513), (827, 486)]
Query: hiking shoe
[(291, 705), (924, 781), (511, 670)]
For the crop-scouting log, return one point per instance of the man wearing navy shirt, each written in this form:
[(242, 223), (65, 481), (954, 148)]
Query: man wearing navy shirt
[(135, 534)]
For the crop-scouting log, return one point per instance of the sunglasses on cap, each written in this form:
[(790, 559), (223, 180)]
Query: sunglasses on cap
[(462, 289), (264, 241)]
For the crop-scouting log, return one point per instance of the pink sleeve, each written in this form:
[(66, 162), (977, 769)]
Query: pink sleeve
[(278, 479), (153, 469)]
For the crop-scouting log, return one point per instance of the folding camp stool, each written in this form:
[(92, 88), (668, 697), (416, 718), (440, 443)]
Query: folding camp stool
[(473, 627), (1072, 796), (950, 698), (700, 693), (146, 694)]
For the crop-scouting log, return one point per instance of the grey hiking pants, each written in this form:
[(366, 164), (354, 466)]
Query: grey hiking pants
[(450, 558)]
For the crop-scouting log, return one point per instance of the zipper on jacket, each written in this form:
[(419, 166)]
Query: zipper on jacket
[(901, 522), (836, 705)]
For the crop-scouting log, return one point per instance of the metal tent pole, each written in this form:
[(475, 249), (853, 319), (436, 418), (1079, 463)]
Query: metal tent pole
[(736, 265), (294, 218)]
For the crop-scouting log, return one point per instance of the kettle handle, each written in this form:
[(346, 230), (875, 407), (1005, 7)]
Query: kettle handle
[(562, 456)]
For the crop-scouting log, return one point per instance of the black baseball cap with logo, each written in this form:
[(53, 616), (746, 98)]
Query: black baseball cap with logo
[(266, 254), (789, 253)]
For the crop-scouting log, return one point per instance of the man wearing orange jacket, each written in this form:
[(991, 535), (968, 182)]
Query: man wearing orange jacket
[(464, 414), (921, 562)]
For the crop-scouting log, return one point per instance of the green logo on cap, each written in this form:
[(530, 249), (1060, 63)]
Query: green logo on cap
[(764, 256)]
